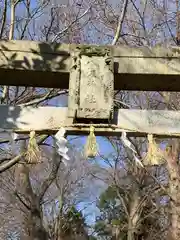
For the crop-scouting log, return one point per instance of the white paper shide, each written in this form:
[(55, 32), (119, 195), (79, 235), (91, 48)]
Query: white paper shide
[(61, 143)]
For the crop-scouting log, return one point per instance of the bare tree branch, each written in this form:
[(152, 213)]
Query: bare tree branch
[(120, 22), (71, 24), (56, 161), (12, 24), (4, 18), (51, 94), (22, 201)]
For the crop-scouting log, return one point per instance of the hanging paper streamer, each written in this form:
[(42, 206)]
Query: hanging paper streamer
[(130, 146), (91, 147), (61, 143), (33, 155), (154, 155)]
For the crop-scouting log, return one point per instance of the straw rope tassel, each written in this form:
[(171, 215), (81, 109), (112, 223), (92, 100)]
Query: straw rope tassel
[(154, 155), (91, 147), (33, 152)]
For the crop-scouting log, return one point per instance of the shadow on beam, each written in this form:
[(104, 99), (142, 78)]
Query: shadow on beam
[(50, 119), (36, 64)]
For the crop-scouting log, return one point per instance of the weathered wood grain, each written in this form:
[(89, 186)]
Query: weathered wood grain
[(28, 63), (50, 119)]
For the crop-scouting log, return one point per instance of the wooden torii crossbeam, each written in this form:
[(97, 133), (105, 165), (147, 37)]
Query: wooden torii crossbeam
[(91, 73), (29, 63)]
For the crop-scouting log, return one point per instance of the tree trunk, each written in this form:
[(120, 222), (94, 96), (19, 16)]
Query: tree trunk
[(134, 214), (174, 189), (31, 202), (34, 225)]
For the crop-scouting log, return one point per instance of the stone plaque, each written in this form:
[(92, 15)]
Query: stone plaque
[(92, 85)]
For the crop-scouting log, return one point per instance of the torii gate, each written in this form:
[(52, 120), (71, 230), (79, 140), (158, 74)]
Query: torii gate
[(91, 73)]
